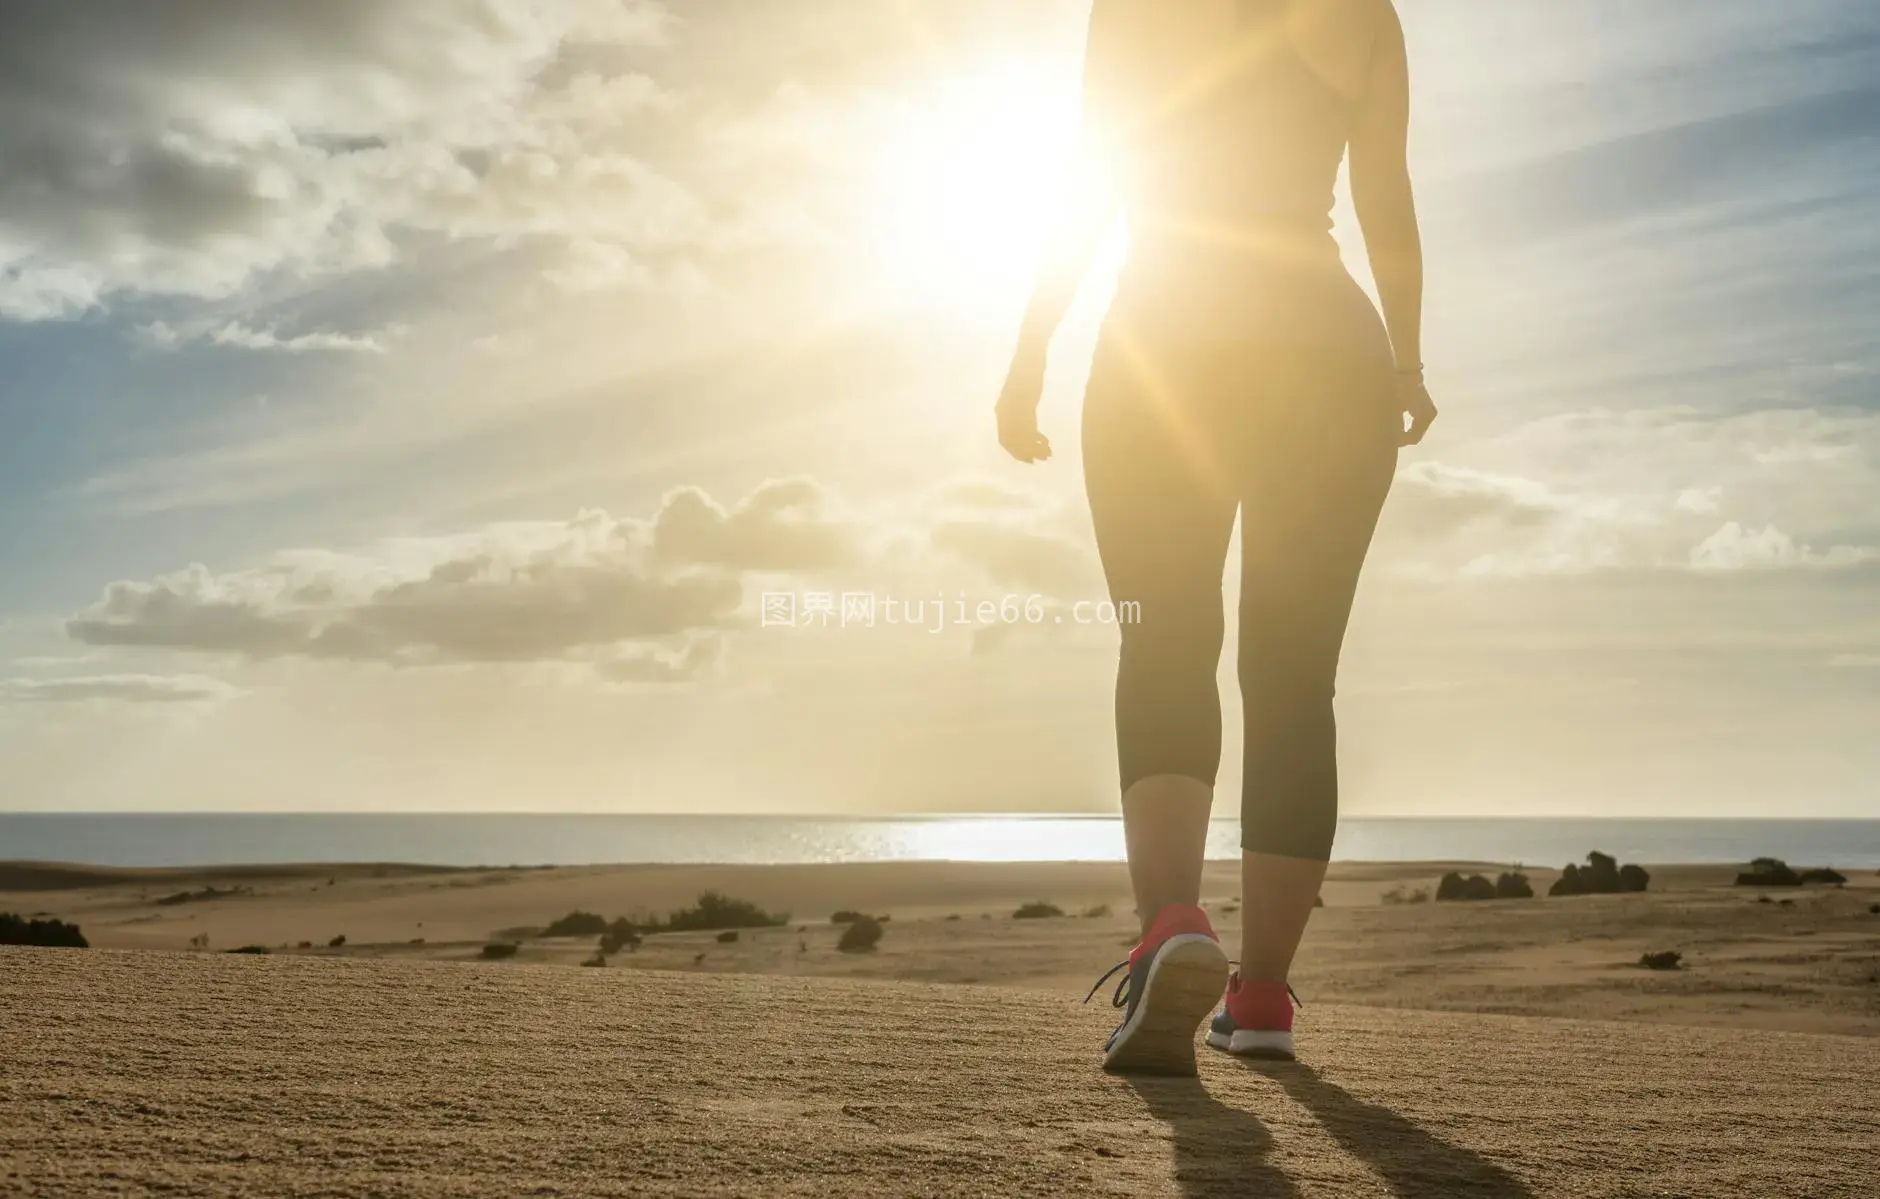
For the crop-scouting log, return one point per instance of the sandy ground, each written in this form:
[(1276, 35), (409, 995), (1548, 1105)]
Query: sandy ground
[(210, 1074), (1809, 965)]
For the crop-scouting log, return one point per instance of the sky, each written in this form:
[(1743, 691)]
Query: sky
[(435, 406)]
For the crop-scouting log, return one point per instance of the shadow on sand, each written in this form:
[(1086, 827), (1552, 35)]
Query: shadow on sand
[(1414, 1161), (1219, 1150)]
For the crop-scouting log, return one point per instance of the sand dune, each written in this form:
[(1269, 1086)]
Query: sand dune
[(208, 1074), (1811, 966)]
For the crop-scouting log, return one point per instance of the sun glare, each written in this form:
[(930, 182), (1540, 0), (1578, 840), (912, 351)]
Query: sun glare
[(971, 182)]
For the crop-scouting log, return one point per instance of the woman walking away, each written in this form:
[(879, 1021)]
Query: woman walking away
[(1242, 371)]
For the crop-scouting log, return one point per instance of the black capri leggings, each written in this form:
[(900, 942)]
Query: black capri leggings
[(1303, 442)]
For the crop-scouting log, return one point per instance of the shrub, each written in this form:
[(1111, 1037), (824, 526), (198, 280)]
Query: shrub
[(1601, 873), (953, 917), (1831, 877), (1873, 909), (577, 924), (1787, 903), (1103, 909), (618, 936), (1455, 887), (1764, 899), (845, 917), (199, 941), (1769, 872), (1600, 876), (250, 949), (206, 893), (45, 934), (306, 945), (861, 936), (1670, 959), (336, 942), (599, 959), (716, 910), (1038, 909), (728, 936), (1513, 885), (1397, 895), (496, 951)]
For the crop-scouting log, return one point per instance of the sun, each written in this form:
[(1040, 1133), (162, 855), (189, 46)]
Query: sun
[(969, 183)]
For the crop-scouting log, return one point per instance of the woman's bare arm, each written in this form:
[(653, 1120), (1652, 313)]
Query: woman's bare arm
[(1387, 212), (1089, 208)]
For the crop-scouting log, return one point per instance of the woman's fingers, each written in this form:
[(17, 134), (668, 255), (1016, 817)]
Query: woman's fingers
[(1421, 411)]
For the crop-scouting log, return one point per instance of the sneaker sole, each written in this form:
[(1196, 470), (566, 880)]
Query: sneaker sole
[(1186, 980), (1264, 1045)]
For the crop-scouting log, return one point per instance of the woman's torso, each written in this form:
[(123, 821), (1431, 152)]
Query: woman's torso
[(1239, 121)]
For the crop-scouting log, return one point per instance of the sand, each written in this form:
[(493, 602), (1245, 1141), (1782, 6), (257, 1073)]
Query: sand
[(211, 1074), (1812, 966)]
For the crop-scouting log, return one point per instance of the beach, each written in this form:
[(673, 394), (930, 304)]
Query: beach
[(227, 1075), (1807, 960)]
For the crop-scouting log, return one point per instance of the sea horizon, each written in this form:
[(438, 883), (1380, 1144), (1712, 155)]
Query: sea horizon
[(186, 839)]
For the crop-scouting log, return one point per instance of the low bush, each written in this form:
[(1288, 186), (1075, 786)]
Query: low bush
[(1769, 872), (1670, 959), (577, 924), (1099, 911), (1602, 875), (207, 893), (861, 936), (306, 945), (336, 942), (1830, 877), (1513, 885), (715, 910), (620, 935), (496, 951), (43, 934), (1397, 895), (1454, 887), (728, 936), (250, 949), (1038, 909), (953, 917), (599, 959)]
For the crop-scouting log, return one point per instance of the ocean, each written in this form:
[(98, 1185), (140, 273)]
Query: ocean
[(199, 839)]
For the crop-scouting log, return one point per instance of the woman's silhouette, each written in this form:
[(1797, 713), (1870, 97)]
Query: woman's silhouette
[(1240, 370)]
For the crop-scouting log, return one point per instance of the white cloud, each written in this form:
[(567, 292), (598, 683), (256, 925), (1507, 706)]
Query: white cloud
[(163, 336), (186, 153), (1735, 547), (118, 688)]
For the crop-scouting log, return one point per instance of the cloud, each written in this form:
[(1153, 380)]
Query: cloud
[(118, 688), (782, 526), (519, 593), (699, 657), (1014, 554), (163, 336), (185, 151), (1430, 499), (1735, 547)]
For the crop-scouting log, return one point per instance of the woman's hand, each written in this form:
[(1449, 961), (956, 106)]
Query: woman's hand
[(1415, 406), (1018, 408)]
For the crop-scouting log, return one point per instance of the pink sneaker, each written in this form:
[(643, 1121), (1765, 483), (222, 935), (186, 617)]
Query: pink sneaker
[(1175, 976), (1256, 1020)]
